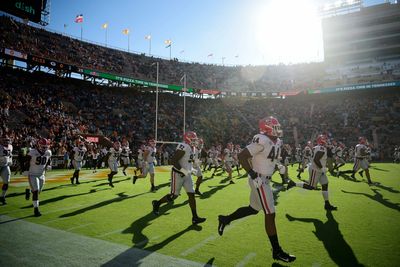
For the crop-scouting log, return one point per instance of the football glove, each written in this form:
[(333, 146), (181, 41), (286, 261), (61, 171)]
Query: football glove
[(253, 174), (258, 182)]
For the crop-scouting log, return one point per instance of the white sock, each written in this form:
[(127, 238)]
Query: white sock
[(35, 203), (325, 195)]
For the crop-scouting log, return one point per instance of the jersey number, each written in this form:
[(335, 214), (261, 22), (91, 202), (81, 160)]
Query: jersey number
[(272, 154), (41, 160)]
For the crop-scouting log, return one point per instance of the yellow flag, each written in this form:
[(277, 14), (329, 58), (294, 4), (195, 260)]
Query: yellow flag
[(105, 26), (125, 31)]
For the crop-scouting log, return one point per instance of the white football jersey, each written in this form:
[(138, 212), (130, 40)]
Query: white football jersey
[(196, 156), (324, 156), (307, 152), (79, 153), (114, 154), (361, 151), (152, 154), (265, 154), (125, 151), (140, 154), (339, 152), (228, 154), (186, 161), (37, 165), (6, 155)]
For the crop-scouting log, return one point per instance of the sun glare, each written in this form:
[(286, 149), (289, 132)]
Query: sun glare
[(288, 31)]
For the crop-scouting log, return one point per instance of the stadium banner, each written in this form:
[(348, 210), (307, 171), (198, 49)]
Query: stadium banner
[(13, 53), (352, 87), (51, 63), (128, 80), (24, 9), (209, 92)]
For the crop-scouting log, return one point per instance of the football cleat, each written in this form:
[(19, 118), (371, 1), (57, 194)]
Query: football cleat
[(153, 189), (110, 183), (222, 222), (197, 220), (3, 200), (290, 185), (72, 180), (155, 207), (283, 256), (231, 182), (352, 176), (328, 206), (361, 173), (77, 181), (134, 179), (124, 173), (27, 193), (37, 212)]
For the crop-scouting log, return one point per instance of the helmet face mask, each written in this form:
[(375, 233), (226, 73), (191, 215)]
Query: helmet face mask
[(190, 138), (322, 140), (271, 127), (43, 145)]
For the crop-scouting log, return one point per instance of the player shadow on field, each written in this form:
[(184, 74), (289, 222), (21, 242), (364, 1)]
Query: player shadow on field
[(121, 197), (140, 240), (44, 190), (114, 182), (55, 199), (378, 169), (343, 174), (377, 197), (387, 188), (214, 189), (332, 238)]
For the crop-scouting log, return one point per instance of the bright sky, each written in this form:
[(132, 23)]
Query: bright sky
[(256, 32)]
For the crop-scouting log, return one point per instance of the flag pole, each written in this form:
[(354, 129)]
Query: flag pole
[(170, 46), (184, 103), (81, 30), (128, 39), (106, 35), (156, 136)]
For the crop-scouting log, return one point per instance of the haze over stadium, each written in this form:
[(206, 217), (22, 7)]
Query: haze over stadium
[(257, 32)]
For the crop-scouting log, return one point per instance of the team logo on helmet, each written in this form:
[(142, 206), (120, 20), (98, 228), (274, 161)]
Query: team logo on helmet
[(322, 140), (42, 145), (190, 138), (270, 126)]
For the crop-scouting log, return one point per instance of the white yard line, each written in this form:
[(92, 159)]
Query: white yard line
[(210, 238), (246, 259)]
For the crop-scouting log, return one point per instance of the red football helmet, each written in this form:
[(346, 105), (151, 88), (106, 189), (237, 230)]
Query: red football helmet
[(270, 126), (43, 145), (200, 143), (322, 140), (190, 138), (152, 142), (362, 140), (117, 145)]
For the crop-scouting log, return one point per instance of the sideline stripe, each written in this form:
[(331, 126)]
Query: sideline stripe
[(58, 248), (246, 259)]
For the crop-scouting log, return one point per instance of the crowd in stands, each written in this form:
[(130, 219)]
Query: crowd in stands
[(39, 42), (38, 104)]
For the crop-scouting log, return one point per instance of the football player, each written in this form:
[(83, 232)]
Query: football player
[(182, 163), (125, 154), (307, 154), (37, 162), (259, 159), (235, 154), (339, 161), (6, 149), (79, 152), (197, 165), (149, 156), (113, 157), (227, 160), (317, 172), (360, 159)]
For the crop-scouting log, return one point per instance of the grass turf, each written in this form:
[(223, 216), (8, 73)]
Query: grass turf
[(364, 231)]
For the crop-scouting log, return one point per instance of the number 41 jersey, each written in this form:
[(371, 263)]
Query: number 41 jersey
[(38, 161), (265, 154)]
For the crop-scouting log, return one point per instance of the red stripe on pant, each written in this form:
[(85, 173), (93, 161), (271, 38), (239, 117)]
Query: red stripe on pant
[(263, 199), (356, 163), (173, 182), (312, 178)]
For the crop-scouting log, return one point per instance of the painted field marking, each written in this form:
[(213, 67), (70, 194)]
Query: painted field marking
[(246, 259)]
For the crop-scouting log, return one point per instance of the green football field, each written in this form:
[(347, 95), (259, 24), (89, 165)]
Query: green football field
[(92, 224)]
